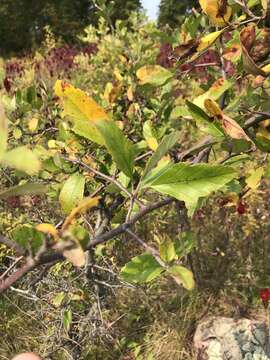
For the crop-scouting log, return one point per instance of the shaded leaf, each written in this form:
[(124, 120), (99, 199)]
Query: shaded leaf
[(119, 147), (24, 189), (82, 207), (167, 250), (3, 131), (166, 144), (72, 192), (141, 269)]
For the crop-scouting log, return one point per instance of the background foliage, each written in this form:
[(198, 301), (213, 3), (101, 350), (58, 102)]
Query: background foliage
[(135, 182)]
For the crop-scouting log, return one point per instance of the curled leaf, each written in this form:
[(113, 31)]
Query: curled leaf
[(83, 206), (48, 229)]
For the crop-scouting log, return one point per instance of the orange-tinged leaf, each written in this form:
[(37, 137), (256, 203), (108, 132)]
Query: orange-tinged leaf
[(48, 229), (218, 11), (82, 109), (83, 206)]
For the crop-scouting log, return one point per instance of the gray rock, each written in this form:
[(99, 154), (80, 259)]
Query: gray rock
[(220, 338)]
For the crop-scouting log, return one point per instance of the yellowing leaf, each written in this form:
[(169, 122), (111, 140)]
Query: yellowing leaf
[(253, 181), (48, 229), (208, 40), (130, 94), (152, 143), (266, 68), (218, 11), (83, 110), (153, 74), (182, 276), (32, 124), (83, 206), (213, 108), (22, 159)]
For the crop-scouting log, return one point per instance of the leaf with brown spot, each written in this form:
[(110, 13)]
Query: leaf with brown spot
[(218, 11), (234, 130)]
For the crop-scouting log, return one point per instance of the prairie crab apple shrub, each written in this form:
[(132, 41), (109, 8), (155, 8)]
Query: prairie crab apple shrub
[(133, 144)]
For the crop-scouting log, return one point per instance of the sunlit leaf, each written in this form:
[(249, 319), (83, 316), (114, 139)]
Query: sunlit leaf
[(218, 11), (189, 182), (23, 159), (208, 40), (254, 179), (153, 74), (82, 109), (48, 229), (183, 276)]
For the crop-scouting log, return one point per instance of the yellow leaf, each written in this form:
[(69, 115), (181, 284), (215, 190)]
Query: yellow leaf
[(83, 110), (130, 94), (117, 74), (153, 74), (32, 124), (213, 108), (152, 143), (253, 181), (208, 40), (48, 229), (83, 206), (218, 11), (266, 68)]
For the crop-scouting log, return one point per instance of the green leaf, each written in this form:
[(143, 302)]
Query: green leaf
[(166, 144), (72, 192), (214, 92), (24, 189), (167, 250), (3, 131), (28, 237), (189, 182), (23, 159), (204, 121), (183, 276), (141, 269), (119, 147), (153, 74), (67, 319)]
